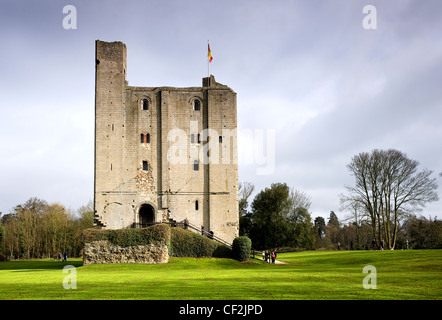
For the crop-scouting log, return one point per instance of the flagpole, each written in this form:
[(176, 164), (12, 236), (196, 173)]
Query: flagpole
[(208, 66)]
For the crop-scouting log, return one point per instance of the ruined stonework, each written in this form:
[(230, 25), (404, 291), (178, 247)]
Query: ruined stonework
[(103, 251), (163, 154)]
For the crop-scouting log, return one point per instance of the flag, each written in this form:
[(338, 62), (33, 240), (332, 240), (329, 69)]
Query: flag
[(209, 54)]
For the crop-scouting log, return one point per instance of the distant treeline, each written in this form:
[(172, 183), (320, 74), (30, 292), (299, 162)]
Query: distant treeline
[(279, 218), (413, 233), (37, 229)]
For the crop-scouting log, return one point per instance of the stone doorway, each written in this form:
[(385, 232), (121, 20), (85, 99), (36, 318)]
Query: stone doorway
[(146, 215)]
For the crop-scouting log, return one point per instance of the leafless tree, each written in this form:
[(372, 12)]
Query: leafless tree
[(300, 199), (37, 229), (245, 190), (357, 214), (388, 184)]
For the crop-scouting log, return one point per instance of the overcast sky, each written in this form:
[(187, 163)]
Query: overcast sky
[(306, 73)]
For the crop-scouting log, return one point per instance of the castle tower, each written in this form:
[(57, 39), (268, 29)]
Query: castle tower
[(162, 153)]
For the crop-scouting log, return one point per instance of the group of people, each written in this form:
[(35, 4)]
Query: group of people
[(373, 245), (63, 257), (267, 255)]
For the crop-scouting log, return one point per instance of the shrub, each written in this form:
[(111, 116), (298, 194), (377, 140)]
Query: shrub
[(241, 248), (185, 243), (222, 252)]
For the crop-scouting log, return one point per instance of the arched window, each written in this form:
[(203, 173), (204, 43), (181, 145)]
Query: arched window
[(147, 137), (195, 165), (145, 166), (142, 138), (196, 205), (196, 105), (145, 104)]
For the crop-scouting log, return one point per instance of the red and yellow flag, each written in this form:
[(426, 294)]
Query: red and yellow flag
[(209, 54)]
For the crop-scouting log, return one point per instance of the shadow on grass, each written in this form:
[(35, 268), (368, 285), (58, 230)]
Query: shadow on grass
[(29, 265)]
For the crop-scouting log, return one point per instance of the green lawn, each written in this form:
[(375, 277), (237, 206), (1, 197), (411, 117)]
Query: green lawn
[(412, 274)]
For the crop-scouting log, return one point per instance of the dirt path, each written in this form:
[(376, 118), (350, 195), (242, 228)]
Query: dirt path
[(276, 261)]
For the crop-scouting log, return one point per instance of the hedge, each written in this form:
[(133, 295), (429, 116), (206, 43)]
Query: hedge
[(157, 234), (185, 243)]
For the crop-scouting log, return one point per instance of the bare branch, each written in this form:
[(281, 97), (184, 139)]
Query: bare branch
[(388, 184)]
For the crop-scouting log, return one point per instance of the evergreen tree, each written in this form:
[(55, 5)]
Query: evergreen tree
[(333, 219)]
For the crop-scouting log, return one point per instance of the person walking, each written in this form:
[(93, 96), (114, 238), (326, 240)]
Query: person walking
[(273, 257), (65, 256), (373, 244)]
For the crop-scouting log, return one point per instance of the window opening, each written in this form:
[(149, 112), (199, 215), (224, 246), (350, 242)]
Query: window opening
[(196, 105), (145, 138), (145, 104)]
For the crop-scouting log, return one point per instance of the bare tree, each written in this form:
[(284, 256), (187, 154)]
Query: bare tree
[(300, 199), (245, 190), (388, 184), (356, 216), (37, 229), (28, 216)]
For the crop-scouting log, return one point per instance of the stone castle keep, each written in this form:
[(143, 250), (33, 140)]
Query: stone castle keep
[(163, 154)]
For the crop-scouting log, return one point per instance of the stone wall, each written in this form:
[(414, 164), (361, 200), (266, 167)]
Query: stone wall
[(103, 251), (146, 245)]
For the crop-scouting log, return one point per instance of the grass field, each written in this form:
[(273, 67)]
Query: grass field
[(412, 274)]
